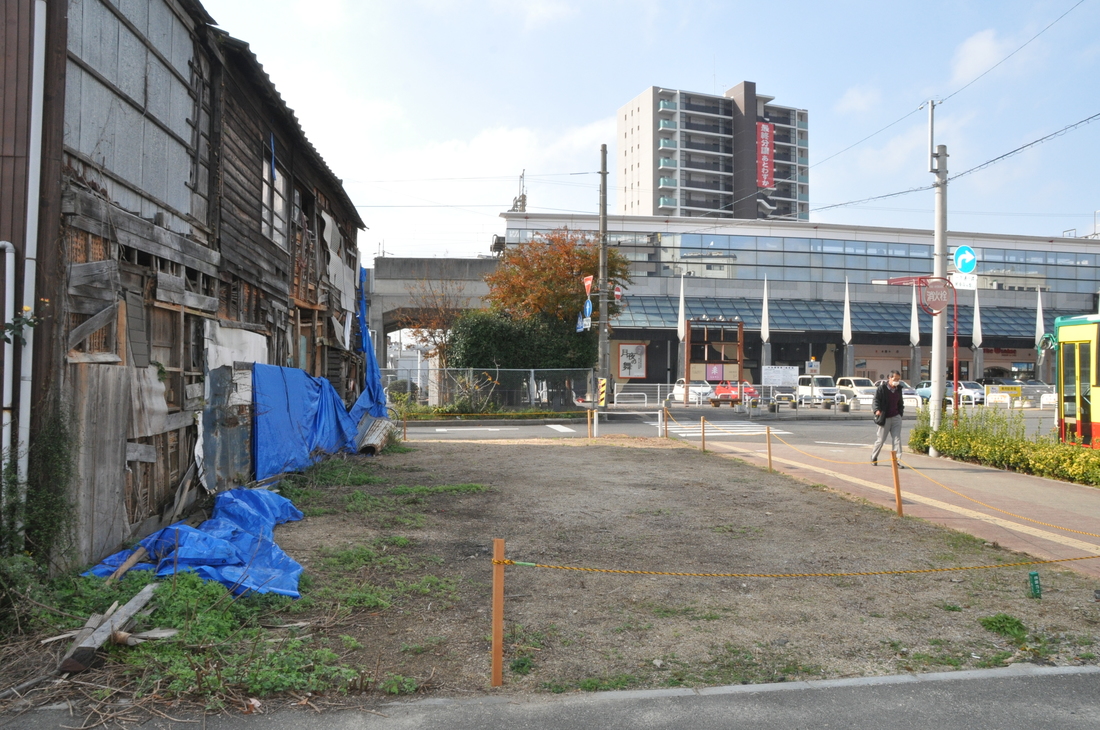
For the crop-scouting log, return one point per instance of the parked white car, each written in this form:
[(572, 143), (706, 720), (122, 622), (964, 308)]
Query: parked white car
[(856, 390), (813, 389), (697, 391)]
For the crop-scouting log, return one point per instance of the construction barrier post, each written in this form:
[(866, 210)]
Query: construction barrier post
[(596, 424), (498, 614), (703, 433), (768, 431), (897, 481)]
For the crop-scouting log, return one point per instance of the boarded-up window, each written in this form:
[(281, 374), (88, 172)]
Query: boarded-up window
[(85, 247)]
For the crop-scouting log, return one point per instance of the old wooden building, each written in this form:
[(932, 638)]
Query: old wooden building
[(186, 227)]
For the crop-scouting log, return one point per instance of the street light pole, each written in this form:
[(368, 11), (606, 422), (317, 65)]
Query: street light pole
[(604, 362)]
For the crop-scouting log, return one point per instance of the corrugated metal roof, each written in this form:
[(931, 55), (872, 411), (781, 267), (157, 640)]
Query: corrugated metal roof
[(804, 315)]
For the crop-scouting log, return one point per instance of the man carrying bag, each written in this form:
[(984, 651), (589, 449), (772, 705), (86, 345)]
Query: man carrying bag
[(888, 408)]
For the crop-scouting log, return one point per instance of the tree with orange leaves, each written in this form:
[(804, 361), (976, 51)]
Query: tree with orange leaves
[(545, 277)]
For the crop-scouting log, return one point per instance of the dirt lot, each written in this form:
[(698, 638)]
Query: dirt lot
[(656, 505), (396, 589)]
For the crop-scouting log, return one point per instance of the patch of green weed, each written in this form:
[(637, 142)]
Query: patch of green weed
[(443, 489), (1005, 625)]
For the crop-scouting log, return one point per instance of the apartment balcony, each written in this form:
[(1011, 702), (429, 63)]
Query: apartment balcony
[(709, 147), (715, 110), (803, 178), (666, 144), (704, 204), (666, 124), (784, 139), (784, 120), (666, 182), (666, 106), (803, 160), (802, 125), (804, 197), (784, 157), (712, 166), (709, 128), (666, 163), (664, 202), (720, 186)]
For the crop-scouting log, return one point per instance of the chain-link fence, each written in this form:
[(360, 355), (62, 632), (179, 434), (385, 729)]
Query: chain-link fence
[(488, 390)]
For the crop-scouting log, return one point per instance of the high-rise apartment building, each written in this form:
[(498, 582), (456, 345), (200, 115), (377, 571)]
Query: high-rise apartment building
[(734, 156)]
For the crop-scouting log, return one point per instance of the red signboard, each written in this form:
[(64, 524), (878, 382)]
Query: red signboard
[(765, 155), (588, 284), (618, 293), (936, 294)]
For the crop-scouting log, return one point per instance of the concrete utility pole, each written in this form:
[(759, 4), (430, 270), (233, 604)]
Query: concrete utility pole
[(604, 364), (938, 164)]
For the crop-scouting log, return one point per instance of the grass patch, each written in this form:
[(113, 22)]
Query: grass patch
[(1005, 625), (950, 607), (522, 665), (428, 645), (444, 489)]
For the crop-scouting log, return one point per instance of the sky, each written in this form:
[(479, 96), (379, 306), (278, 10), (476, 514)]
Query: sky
[(429, 110)]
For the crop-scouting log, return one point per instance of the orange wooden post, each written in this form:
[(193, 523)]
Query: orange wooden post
[(589, 418), (666, 422), (897, 481), (703, 433), (498, 613), (768, 430)]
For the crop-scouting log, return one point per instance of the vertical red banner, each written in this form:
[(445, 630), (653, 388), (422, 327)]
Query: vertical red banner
[(765, 155)]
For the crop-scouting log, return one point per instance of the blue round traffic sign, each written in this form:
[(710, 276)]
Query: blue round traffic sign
[(965, 260), (587, 307)]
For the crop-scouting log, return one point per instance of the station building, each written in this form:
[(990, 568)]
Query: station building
[(725, 262)]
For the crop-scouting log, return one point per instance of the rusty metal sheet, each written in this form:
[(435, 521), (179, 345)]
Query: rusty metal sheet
[(226, 431)]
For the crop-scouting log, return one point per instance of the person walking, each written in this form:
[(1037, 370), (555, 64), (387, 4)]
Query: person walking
[(888, 408)]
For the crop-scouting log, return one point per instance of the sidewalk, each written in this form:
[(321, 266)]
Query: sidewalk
[(1040, 517)]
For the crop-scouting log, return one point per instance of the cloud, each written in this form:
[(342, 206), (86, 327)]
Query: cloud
[(976, 55), (858, 99)]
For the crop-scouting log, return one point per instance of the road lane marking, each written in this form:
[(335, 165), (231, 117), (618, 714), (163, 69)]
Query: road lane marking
[(463, 430), (563, 429)]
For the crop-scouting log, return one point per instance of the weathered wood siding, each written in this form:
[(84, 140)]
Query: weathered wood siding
[(100, 397)]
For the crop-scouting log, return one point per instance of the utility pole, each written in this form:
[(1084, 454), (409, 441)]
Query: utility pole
[(937, 164), (604, 363)]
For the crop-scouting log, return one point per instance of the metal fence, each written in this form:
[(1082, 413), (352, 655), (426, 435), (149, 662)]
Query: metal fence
[(484, 390)]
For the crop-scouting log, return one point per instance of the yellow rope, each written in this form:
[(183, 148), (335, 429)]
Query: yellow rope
[(814, 456), (793, 575)]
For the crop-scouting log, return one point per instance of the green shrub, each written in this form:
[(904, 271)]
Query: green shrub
[(994, 438)]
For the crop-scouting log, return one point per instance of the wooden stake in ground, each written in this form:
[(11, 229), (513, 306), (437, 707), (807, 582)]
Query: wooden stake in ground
[(702, 433), (768, 431), (82, 653), (897, 481), (498, 613)]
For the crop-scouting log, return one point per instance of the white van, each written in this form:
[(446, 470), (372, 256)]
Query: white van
[(814, 389)]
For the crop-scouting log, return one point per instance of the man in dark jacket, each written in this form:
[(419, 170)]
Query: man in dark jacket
[(888, 408)]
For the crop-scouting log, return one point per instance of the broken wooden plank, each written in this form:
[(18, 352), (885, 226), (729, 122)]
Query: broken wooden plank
[(84, 652), (90, 625), (137, 556), (123, 638), (97, 321), (146, 453)]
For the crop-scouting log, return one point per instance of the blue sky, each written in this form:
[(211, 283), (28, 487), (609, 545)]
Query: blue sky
[(430, 109)]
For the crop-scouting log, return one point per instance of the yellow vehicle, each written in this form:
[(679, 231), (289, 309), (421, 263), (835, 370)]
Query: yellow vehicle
[(1076, 339)]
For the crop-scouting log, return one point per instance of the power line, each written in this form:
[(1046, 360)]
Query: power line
[(1044, 30), (1064, 130), (956, 91)]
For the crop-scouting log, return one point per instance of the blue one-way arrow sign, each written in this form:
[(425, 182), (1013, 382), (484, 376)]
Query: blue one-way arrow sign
[(587, 307), (965, 260)]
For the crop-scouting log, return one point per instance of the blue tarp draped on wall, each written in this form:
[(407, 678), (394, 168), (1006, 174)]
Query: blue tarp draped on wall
[(233, 547), (373, 399), (296, 418)]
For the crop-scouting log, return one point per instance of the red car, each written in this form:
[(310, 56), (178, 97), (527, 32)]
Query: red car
[(726, 389)]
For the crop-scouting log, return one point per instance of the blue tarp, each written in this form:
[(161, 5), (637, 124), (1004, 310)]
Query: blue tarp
[(373, 398), (233, 547), (296, 419)]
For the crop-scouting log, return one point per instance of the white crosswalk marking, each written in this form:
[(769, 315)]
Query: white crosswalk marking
[(559, 427), (738, 428)]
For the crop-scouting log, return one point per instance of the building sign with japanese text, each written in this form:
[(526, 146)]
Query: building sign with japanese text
[(765, 155)]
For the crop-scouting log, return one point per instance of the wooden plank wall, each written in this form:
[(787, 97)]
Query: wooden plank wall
[(100, 396), (15, 82)]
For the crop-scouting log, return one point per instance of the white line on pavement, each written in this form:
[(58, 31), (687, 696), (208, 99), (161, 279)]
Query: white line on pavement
[(563, 429), (445, 430)]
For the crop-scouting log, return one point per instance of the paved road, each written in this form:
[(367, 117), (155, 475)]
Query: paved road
[(1021, 696)]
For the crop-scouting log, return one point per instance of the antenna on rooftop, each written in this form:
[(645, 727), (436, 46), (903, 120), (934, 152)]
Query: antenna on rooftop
[(519, 203)]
